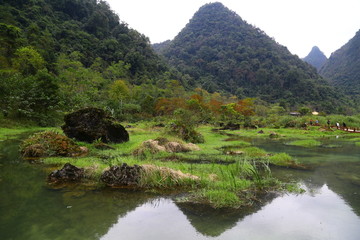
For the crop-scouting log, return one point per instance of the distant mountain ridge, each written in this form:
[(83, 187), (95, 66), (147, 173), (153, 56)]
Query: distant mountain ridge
[(343, 66), (222, 52), (316, 58)]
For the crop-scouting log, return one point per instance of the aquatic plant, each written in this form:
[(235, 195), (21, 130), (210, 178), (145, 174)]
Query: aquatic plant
[(305, 143), (281, 159), (220, 198)]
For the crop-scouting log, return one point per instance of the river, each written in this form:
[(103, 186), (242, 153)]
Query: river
[(330, 208)]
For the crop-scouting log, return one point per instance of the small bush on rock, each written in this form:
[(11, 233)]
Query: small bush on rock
[(49, 143)]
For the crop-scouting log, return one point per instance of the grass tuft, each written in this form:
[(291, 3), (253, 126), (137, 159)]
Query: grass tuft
[(305, 143)]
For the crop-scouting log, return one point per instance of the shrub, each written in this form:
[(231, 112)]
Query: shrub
[(186, 133), (49, 143)]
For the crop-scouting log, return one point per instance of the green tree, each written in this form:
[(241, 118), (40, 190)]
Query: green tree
[(9, 42), (28, 61)]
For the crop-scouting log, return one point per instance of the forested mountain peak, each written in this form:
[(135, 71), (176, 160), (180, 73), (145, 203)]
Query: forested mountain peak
[(222, 52), (343, 66), (316, 58)]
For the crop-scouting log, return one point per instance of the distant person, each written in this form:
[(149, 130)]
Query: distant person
[(338, 125), (328, 123), (344, 126)]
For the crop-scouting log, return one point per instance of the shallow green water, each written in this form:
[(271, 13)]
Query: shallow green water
[(330, 209)]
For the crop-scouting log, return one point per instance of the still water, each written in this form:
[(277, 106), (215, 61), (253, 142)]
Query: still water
[(330, 208)]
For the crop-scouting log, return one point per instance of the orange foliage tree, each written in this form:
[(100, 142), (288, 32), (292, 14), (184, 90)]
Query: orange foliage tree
[(167, 106), (245, 107)]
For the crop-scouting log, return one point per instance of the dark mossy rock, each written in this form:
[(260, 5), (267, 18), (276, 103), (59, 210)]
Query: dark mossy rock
[(123, 175), (69, 173), (90, 124), (273, 135), (229, 126)]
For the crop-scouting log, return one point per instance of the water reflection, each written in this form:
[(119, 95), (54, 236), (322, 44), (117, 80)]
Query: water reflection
[(321, 215), (31, 210), (329, 210)]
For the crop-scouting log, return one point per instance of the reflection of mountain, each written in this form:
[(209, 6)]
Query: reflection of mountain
[(213, 222), (341, 177), (30, 210), (345, 183)]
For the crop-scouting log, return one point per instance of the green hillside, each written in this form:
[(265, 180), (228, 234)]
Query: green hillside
[(343, 67), (61, 55), (223, 52), (89, 27)]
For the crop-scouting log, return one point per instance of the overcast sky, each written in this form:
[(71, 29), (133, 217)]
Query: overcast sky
[(297, 24)]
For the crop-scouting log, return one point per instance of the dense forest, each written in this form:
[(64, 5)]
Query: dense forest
[(61, 55), (343, 66), (57, 56), (221, 51)]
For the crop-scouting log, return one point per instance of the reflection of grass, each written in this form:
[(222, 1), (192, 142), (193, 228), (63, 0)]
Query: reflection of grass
[(357, 144), (305, 143), (355, 139)]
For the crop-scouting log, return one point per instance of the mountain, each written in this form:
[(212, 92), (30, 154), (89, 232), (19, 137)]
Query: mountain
[(343, 67), (316, 58), (222, 52), (58, 56)]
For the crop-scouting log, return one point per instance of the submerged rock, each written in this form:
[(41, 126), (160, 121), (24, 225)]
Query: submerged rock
[(273, 135), (69, 173), (123, 175), (230, 126), (91, 124)]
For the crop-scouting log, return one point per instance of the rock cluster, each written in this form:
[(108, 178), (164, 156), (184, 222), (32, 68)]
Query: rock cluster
[(123, 175), (69, 173)]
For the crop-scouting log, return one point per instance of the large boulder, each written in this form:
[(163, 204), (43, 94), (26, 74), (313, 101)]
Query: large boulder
[(90, 124)]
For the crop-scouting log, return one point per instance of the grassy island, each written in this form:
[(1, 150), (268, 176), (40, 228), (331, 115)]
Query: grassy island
[(223, 171)]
